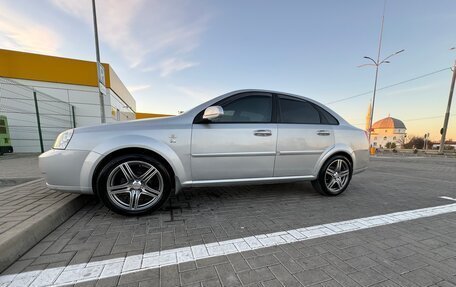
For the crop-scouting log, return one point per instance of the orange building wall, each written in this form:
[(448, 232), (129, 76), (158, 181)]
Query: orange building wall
[(148, 116), (36, 67)]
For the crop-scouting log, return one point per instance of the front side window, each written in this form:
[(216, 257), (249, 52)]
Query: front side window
[(249, 109), (298, 112)]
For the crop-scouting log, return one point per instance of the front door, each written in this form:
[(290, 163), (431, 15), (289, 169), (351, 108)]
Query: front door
[(241, 144)]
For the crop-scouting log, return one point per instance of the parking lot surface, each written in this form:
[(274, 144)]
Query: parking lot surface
[(19, 168), (419, 252)]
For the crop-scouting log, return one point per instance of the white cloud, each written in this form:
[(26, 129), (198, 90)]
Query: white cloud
[(138, 29), (198, 94), (170, 66), (138, 88), (17, 32), (115, 24)]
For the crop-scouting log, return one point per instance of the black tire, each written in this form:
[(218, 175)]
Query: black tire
[(113, 169), (321, 183)]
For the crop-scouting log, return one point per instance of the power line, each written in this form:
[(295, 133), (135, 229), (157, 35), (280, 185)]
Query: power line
[(389, 86), (423, 118)]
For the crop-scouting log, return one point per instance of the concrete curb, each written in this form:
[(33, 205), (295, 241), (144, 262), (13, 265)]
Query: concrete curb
[(18, 240)]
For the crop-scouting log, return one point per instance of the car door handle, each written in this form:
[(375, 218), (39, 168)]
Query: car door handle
[(262, 133), (323, 133)]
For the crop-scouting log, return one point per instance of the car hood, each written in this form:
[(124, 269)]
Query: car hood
[(133, 125)]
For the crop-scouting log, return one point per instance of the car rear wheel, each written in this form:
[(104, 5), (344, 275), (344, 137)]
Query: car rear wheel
[(134, 184), (334, 176)]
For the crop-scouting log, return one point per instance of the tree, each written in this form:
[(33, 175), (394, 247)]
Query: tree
[(415, 142), (402, 141), (393, 145)]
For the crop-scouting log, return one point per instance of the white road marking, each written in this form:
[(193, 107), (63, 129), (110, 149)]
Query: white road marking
[(84, 272), (447, 197)]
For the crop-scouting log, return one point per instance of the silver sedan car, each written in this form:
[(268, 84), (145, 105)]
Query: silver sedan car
[(243, 137)]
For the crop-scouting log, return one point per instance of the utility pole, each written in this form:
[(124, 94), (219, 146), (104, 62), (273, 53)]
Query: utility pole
[(447, 114), (100, 69)]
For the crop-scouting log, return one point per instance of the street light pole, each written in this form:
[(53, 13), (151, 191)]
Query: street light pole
[(447, 114), (377, 64), (373, 103), (95, 27)]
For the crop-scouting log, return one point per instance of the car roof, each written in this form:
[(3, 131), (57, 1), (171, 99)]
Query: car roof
[(216, 99)]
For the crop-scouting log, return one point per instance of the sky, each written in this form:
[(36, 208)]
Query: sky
[(173, 55)]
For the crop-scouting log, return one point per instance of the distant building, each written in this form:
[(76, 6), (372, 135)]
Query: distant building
[(63, 91), (388, 130), (149, 115)]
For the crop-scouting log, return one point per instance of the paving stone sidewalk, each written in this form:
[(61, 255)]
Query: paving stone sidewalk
[(210, 215), (20, 203), (29, 212), (415, 253)]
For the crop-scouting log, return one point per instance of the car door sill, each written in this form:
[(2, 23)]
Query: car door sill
[(260, 180)]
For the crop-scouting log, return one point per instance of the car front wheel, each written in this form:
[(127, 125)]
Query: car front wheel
[(334, 176), (134, 184)]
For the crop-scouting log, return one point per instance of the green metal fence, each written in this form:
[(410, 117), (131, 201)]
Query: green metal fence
[(34, 118)]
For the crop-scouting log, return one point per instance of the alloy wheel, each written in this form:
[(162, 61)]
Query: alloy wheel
[(134, 185), (337, 175)]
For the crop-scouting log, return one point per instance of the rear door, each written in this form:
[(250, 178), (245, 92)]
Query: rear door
[(304, 133)]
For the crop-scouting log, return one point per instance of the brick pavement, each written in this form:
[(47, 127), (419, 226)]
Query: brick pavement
[(376, 256), (19, 204), (405, 254), (28, 213), (415, 253)]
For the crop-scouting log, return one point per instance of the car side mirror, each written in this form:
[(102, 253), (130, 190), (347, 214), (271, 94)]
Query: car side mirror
[(212, 112)]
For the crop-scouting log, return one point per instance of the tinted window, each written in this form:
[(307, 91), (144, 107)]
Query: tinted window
[(326, 117), (249, 109), (298, 112)]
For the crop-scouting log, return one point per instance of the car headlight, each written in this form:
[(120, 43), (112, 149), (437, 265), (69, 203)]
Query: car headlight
[(63, 139)]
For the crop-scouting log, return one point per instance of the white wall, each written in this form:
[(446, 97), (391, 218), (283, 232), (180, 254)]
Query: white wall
[(55, 116), (119, 110)]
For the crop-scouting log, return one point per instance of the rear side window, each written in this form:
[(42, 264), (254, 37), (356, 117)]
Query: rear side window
[(326, 117), (298, 112)]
